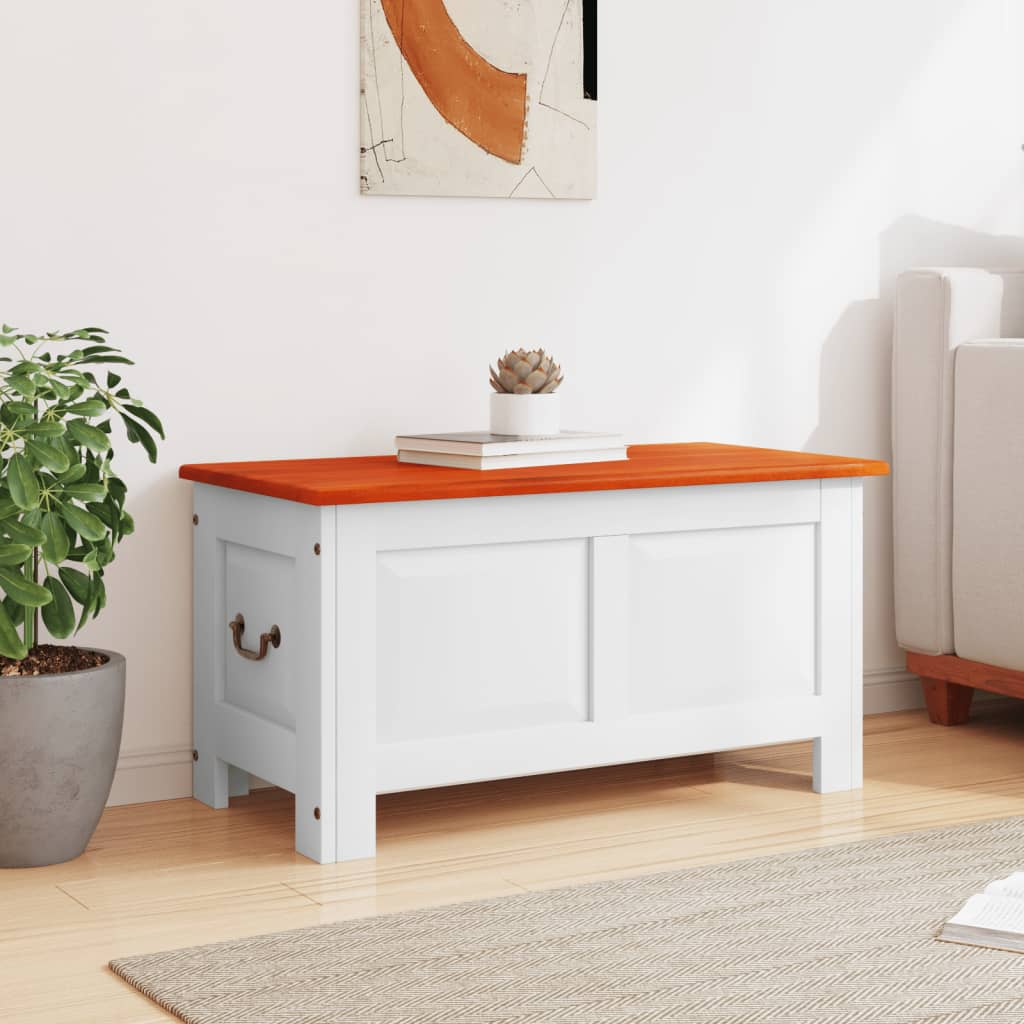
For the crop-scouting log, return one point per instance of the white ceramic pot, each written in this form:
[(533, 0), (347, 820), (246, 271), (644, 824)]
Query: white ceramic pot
[(525, 415)]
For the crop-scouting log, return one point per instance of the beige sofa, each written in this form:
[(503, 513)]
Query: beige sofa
[(958, 483)]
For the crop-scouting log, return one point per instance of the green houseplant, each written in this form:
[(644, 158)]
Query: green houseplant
[(62, 514)]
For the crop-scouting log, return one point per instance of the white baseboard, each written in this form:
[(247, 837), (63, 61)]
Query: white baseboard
[(896, 689), (166, 773), (891, 689), (147, 775)]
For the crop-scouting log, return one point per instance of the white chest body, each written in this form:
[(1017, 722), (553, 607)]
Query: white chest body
[(429, 643)]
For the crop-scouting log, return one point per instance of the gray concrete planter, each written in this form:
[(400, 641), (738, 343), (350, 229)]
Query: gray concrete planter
[(59, 740)]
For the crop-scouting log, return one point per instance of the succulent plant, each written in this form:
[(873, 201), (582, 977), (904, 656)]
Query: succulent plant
[(526, 373)]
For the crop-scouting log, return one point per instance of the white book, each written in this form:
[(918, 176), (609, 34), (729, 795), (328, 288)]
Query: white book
[(485, 462), (993, 918), (482, 443)]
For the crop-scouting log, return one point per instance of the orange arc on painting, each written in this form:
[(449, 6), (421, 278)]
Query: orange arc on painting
[(484, 103)]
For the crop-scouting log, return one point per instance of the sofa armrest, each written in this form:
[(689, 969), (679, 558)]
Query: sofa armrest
[(988, 503), (936, 311)]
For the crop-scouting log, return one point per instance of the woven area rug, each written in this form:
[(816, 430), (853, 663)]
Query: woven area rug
[(840, 935)]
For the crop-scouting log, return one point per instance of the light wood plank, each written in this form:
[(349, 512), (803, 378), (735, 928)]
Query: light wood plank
[(160, 876)]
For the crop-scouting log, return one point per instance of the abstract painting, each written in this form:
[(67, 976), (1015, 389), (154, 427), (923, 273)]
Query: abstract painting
[(479, 98)]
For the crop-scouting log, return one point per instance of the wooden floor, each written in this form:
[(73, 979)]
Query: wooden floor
[(159, 876)]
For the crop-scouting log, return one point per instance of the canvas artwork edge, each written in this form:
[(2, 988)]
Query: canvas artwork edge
[(470, 99)]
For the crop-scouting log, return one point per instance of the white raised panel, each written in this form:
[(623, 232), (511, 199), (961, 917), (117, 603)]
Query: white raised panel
[(260, 585), (721, 617), (481, 639)]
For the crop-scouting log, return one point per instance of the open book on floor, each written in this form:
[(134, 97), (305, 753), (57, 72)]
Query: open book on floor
[(993, 918)]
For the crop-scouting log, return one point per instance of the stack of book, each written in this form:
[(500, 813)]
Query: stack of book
[(501, 451)]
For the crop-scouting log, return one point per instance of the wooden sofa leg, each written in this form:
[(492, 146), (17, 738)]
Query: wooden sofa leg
[(948, 703)]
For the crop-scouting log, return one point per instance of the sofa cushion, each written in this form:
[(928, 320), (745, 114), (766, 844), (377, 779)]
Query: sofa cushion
[(936, 311), (1013, 303), (988, 503)]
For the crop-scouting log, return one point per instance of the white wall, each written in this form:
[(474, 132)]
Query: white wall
[(185, 173)]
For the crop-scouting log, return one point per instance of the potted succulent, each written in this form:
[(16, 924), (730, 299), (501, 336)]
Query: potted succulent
[(525, 402), (61, 516)]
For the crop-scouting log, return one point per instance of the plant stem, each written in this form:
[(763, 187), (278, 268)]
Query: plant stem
[(35, 611), (32, 618)]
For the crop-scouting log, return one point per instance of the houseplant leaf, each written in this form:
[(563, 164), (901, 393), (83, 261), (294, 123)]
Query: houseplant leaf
[(77, 583), (47, 455), (22, 533), (73, 475), (14, 554), (22, 384), (20, 410), (135, 431), (44, 429), (23, 590), (57, 544), (85, 524), (11, 644), (108, 359), (149, 418), (60, 389), (22, 482), (59, 614), (14, 610), (85, 492), (99, 596), (90, 407), (117, 489), (88, 436)]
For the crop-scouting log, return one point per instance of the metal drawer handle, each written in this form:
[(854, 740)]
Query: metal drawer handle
[(237, 627)]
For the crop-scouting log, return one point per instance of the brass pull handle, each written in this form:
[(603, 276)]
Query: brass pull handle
[(237, 627)]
